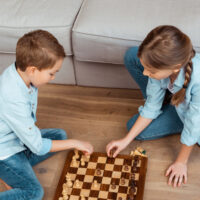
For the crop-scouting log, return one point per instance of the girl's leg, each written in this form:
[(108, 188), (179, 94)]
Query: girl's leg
[(54, 134), (168, 123), (17, 172), (135, 68)]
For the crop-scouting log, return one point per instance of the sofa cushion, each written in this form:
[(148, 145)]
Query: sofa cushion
[(105, 29), (21, 16)]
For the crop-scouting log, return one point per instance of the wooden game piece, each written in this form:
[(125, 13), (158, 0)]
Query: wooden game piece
[(131, 193), (77, 183), (132, 183), (113, 186), (132, 176), (64, 192), (69, 182), (95, 184), (76, 154), (98, 172), (120, 198), (123, 181), (87, 157), (65, 197), (126, 167), (64, 186), (74, 162), (132, 153), (134, 168), (82, 162), (112, 151)]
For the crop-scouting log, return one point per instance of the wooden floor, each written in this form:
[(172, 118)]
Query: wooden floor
[(100, 115)]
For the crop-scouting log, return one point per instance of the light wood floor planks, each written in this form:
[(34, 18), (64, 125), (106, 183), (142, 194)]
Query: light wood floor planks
[(100, 115)]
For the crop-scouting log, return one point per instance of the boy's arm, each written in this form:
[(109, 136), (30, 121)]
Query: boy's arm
[(60, 145), (18, 117)]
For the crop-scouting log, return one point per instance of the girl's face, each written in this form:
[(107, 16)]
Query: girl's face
[(158, 74)]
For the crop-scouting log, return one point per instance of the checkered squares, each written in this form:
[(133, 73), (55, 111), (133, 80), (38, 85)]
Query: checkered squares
[(112, 171)]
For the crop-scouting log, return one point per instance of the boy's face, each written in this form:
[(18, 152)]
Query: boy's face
[(42, 77)]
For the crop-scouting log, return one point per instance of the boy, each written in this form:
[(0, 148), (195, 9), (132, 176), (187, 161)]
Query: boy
[(22, 145)]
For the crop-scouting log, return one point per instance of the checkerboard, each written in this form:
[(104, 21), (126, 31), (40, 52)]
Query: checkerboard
[(112, 170)]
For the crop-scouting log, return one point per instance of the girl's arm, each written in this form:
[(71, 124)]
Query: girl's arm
[(140, 124), (184, 153), (118, 145)]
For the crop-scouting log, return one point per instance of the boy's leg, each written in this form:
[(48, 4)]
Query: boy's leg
[(168, 123), (17, 172), (135, 68), (54, 134)]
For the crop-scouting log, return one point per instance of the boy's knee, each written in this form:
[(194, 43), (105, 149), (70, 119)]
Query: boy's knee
[(62, 134), (130, 55), (36, 192)]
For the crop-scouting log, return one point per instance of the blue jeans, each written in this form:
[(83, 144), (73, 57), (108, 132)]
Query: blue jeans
[(17, 171), (168, 123)]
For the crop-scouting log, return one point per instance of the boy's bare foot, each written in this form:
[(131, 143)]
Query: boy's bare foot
[(6, 186)]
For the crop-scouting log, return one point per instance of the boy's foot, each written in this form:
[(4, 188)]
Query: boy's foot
[(5, 185)]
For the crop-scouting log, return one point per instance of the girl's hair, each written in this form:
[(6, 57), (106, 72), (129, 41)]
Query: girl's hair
[(38, 48), (165, 47)]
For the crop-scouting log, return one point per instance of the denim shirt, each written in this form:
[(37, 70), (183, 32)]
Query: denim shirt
[(18, 105), (188, 110)]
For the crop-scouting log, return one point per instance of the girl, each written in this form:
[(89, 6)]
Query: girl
[(167, 71)]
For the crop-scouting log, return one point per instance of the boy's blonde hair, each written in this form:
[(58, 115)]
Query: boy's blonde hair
[(38, 48), (165, 47)]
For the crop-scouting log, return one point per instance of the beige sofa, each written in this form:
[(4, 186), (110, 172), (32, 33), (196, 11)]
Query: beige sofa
[(94, 33)]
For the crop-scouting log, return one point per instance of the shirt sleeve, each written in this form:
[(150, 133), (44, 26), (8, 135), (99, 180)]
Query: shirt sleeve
[(18, 116), (155, 97), (191, 130)]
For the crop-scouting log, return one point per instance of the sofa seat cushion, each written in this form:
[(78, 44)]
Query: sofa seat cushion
[(21, 16), (105, 29)]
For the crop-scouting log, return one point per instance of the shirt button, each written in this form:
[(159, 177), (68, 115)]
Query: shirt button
[(30, 128)]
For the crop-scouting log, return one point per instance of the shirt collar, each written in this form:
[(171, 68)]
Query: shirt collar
[(20, 81)]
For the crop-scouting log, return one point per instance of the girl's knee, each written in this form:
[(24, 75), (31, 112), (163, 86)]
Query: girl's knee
[(130, 55)]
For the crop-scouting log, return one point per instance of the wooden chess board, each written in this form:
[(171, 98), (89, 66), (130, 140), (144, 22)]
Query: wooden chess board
[(112, 171)]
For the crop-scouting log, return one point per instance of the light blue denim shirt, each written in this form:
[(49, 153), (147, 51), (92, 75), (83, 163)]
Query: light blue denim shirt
[(188, 110), (18, 105)]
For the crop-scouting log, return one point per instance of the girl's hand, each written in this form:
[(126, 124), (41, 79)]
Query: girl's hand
[(117, 146), (85, 147), (177, 173)]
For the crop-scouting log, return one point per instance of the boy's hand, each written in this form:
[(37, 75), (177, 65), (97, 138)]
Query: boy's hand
[(177, 173), (85, 147), (117, 146)]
